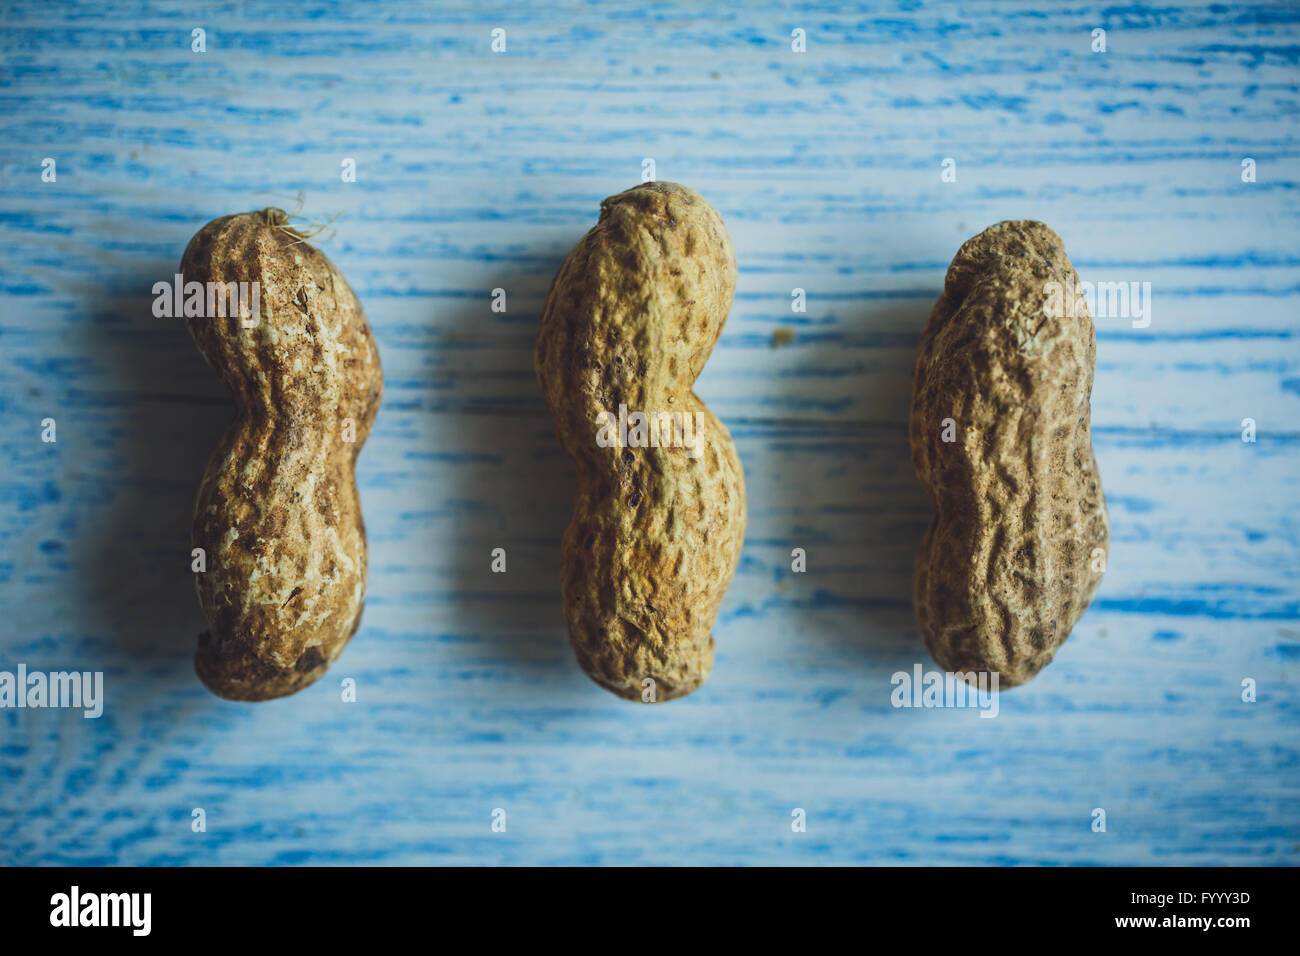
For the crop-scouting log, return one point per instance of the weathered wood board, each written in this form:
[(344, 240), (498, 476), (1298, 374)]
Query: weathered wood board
[(478, 171)]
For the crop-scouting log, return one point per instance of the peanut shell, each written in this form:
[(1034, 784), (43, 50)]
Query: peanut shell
[(630, 320), (278, 511), (1020, 532)]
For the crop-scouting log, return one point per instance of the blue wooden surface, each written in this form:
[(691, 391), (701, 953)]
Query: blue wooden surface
[(478, 171)]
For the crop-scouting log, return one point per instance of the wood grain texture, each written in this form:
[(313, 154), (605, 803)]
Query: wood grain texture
[(479, 171)]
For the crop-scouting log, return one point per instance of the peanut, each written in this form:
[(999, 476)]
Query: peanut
[(278, 513), (630, 320), (1018, 542)]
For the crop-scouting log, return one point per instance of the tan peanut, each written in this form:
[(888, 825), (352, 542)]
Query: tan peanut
[(1018, 542), (630, 320), (278, 513)]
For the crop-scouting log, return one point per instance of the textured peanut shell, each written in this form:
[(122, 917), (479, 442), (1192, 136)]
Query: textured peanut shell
[(1006, 567), (278, 511), (631, 318)]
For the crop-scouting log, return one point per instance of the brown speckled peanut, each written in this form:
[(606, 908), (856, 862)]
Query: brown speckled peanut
[(1008, 565), (631, 318), (278, 512)]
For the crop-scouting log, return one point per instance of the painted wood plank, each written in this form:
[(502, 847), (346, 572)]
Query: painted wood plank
[(479, 171)]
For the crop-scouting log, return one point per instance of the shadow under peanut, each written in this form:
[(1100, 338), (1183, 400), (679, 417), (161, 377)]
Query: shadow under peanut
[(858, 509), (507, 485), (160, 411)]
